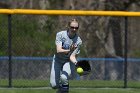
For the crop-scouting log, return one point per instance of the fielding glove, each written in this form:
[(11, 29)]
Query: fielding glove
[(84, 64)]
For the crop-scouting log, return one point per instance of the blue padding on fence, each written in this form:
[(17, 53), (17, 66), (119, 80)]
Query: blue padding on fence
[(90, 59)]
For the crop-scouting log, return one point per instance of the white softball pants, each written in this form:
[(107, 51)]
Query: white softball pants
[(60, 73)]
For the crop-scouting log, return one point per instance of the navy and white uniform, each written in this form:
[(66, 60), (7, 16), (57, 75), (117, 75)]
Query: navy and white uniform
[(61, 69)]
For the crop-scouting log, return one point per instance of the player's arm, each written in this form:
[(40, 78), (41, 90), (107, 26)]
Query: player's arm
[(59, 49), (73, 58), (75, 52), (58, 43)]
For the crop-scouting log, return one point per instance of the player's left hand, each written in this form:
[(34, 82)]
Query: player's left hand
[(73, 47)]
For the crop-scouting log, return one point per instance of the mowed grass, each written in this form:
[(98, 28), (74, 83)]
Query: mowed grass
[(76, 86), (72, 90), (73, 83)]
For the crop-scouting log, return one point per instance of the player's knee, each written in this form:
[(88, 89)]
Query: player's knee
[(64, 79), (53, 85)]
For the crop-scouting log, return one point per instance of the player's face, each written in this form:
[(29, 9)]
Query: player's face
[(73, 28)]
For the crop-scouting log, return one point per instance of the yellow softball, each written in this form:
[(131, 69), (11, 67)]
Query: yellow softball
[(79, 70)]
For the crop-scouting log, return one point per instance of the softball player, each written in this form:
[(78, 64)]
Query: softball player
[(67, 47)]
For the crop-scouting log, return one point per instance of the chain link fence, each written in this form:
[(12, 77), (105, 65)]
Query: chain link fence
[(32, 48)]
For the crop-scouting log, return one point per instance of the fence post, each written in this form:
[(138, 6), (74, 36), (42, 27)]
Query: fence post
[(125, 52), (10, 49)]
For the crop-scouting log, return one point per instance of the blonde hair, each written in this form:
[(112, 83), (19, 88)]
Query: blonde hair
[(73, 20)]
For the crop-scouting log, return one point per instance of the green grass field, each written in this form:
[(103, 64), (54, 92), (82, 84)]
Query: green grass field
[(72, 90), (73, 83), (76, 86)]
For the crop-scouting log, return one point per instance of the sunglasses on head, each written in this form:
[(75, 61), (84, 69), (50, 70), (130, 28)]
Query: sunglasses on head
[(74, 27)]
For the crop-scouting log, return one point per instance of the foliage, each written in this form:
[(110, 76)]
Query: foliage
[(53, 4), (136, 53), (29, 38), (3, 35)]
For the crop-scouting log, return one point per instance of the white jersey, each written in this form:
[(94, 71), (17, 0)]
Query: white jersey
[(63, 39)]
